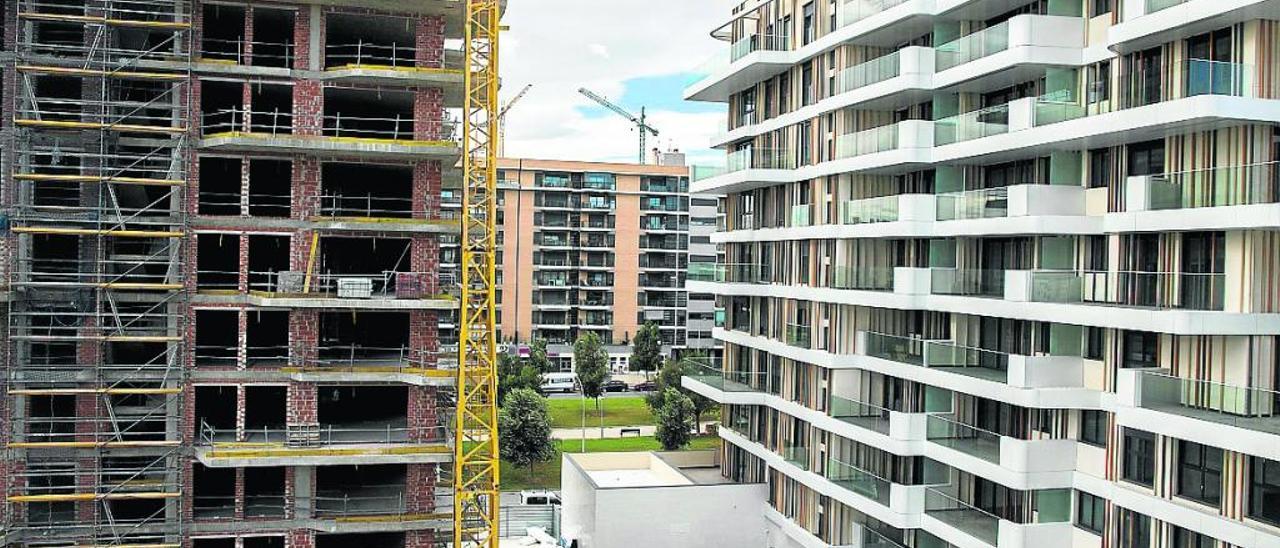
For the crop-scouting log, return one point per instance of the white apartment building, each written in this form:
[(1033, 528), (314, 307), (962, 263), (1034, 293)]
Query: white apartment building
[(1000, 273)]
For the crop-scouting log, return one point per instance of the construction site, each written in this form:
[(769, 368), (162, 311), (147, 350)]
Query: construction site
[(222, 249)]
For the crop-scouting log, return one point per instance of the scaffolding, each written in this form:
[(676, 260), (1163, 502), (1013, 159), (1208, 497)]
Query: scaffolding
[(98, 308)]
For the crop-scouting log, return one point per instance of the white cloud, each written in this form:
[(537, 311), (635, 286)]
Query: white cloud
[(562, 45)]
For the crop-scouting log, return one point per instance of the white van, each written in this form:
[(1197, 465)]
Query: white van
[(559, 382)]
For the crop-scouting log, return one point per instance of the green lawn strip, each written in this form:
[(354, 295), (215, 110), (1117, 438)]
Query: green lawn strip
[(621, 411), (547, 475)]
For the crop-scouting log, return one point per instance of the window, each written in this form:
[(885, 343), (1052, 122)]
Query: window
[(1099, 167), (1099, 82), (1093, 427), (1264, 490), (747, 108), (1135, 529), (806, 83), (810, 30), (1184, 538), (784, 93), (1094, 341), (1146, 158), (1099, 7), (1090, 512), (1139, 457), (1139, 349), (1200, 472)]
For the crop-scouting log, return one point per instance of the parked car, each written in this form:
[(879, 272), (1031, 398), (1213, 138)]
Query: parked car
[(646, 386), (539, 497), (616, 386)]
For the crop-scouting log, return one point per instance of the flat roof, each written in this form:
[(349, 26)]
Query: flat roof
[(648, 469)]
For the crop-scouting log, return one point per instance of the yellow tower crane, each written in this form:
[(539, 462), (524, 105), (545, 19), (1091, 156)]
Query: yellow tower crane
[(475, 454)]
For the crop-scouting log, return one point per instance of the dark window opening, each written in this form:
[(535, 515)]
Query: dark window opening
[(272, 106), (1093, 427), (267, 337), (354, 40), (220, 183), (361, 540), (383, 114), (363, 413), (264, 491), (1091, 512), (356, 490), (1264, 490), (216, 341), (268, 256), (1140, 349), (272, 37), (345, 190), (1200, 472), (1139, 463), (223, 33), (216, 412), (270, 187), (213, 492), (221, 106), (367, 338), (264, 411), (217, 261), (52, 419)]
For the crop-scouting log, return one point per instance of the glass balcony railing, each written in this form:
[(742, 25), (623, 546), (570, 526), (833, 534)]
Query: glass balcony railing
[(747, 158), (949, 509), (971, 440), (1216, 187), (883, 209), (869, 141), (865, 415), (993, 120), (944, 355), (853, 11), (1153, 6), (1246, 407), (871, 72), (727, 381), (968, 282), (974, 46), (749, 273), (799, 335), (800, 214), (862, 278), (1190, 78), (797, 455), (758, 42), (1163, 290), (983, 203), (1055, 107), (858, 480)]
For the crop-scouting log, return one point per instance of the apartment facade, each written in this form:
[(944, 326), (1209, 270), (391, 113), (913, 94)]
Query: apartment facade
[(221, 265), (1000, 274), (601, 248)]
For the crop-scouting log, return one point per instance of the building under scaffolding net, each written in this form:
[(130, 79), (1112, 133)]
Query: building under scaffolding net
[(223, 234)]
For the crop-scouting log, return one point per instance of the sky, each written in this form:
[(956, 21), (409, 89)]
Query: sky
[(633, 52)]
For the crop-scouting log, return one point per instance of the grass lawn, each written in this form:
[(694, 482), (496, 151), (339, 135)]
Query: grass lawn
[(623, 411), (547, 475)]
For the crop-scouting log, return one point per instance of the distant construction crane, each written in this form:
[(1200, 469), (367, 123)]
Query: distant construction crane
[(641, 125), (502, 119)]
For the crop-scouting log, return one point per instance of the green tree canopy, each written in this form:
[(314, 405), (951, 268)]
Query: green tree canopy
[(591, 363), (676, 420), (524, 429), (646, 349)]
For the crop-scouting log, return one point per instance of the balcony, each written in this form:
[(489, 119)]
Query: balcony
[(1011, 201), (1249, 408), (748, 159), (1014, 370), (966, 282), (859, 481), (959, 522), (748, 60), (1014, 50), (240, 130), (1241, 185), (1149, 22), (1154, 290), (977, 124)]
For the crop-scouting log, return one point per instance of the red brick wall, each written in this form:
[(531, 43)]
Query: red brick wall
[(428, 111), (303, 404), (308, 107), (429, 41)]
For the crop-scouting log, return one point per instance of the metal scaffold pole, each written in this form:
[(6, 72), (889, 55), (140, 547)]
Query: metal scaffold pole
[(475, 477)]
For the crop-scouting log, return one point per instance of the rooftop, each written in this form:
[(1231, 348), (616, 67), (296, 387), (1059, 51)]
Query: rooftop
[(649, 469)]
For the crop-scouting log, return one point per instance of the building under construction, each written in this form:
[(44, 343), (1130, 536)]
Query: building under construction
[(221, 253)]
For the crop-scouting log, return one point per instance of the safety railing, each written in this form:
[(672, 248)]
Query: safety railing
[(870, 72), (1241, 406), (246, 52), (940, 354), (1162, 290), (866, 415), (983, 203), (966, 438), (710, 373), (858, 480), (993, 120), (975, 521), (863, 278), (797, 455), (882, 209), (869, 141), (967, 282), (363, 53), (1141, 86), (748, 158), (800, 215), (750, 273), (1153, 6), (758, 42), (977, 45), (1216, 187), (154, 115), (325, 435), (800, 336), (1055, 107), (852, 11), (367, 205), (277, 122)]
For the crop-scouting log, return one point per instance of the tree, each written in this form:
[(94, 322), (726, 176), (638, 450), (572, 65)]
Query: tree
[(675, 420), (646, 350), (669, 377), (591, 363), (524, 427), (513, 374), (538, 356)]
